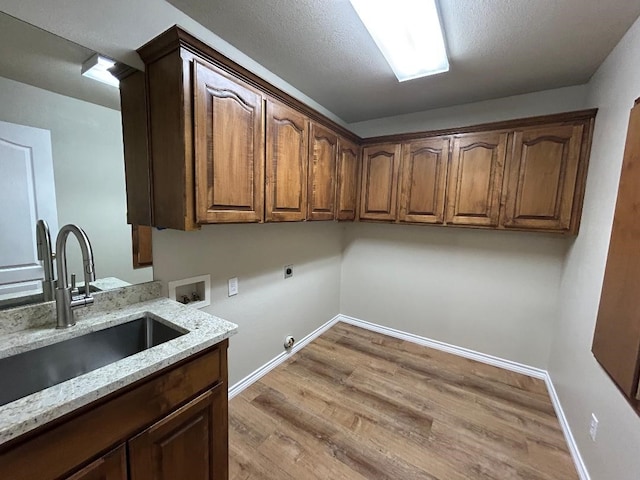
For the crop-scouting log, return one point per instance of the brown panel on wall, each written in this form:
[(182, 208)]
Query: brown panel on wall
[(541, 177), (141, 240), (380, 166), (321, 189), (228, 148), (616, 341), (348, 180), (287, 154), (423, 177), (475, 179)]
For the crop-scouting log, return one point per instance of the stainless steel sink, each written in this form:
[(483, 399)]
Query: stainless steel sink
[(35, 370)]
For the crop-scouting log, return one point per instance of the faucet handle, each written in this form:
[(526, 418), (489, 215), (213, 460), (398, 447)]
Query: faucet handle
[(74, 289)]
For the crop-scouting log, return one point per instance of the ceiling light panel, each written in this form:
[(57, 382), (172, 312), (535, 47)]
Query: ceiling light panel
[(408, 33)]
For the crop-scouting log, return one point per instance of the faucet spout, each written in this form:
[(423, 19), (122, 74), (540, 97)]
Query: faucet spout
[(43, 238), (65, 302)]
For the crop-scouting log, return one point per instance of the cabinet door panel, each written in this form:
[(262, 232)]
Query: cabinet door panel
[(287, 154), (186, 443), (323, 151), (113, 466), (379, 182), (475, 179), (229, 151), (423, 180), (348, 180), (541, 177), (616, 341)]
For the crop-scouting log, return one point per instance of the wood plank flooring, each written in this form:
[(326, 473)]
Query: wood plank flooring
[(357, 405)]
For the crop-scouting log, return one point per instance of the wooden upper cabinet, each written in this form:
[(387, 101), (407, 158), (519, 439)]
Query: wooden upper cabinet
[(616, 341), (380, 164), (475, 179), (348, 180), (184, 444), (229, 149), (321, 189), (287, 154), (112, 466), (423, 177), (541, 176)]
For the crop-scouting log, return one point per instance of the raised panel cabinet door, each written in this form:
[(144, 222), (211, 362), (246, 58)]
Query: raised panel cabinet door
[(541, 175), (423, 177), (379, 189), (348, 180), (191, 443), (321, 188), (229, 152), (287, 158), (616, 341), (112, 466), (475, 179)]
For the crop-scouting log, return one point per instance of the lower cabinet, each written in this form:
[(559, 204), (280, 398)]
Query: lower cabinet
[(171, 426), (113, 466), (184, 444)]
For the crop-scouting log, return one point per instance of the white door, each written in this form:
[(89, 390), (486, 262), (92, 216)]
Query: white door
[(27, 194)]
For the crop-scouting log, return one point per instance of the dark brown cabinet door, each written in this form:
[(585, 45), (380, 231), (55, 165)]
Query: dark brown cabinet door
[(187, 444), (321, 189), (541, 175), (287, 155), (348, 180), (475, 179), (113, 466), (229, 152), (423, 179), (379, 190), (616, 342)]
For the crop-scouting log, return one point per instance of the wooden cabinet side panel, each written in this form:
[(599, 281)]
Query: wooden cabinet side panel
[(321, 188), (348, 178), (98, 428), (112, 466), (287, 158), (170, 131), (616, 341), (423, 175), (229, 149), (137, 160), (380, 165), (541, 177), (182, 445), (475, 179)]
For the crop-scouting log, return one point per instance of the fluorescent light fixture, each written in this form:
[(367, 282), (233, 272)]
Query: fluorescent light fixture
[(408, 33), (97, 67)]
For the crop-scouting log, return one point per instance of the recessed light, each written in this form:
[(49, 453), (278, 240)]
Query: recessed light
[(408, 33)]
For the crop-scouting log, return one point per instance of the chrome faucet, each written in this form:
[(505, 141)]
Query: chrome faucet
[(65, 301), (43, 238)]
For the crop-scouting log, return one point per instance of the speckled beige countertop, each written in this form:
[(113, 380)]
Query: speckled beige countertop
[(24, 329)]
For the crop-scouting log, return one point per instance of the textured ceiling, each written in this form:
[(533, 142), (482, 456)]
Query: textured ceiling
[(497, 48), (35, 57)]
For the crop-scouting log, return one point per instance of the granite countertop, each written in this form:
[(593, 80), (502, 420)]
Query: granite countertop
[(25, 414)]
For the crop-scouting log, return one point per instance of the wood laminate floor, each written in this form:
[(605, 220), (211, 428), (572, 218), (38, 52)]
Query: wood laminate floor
[(357, 405)]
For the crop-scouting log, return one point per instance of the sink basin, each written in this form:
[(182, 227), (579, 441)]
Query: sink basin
[(35, 370)]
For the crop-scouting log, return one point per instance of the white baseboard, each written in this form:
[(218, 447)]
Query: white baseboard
[(273, 363), (435, 344)]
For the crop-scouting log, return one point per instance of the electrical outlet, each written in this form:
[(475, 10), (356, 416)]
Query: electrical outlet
[(593, 427), (233, 286), (288, 271)]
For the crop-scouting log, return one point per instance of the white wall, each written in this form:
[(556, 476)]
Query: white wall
[(507, 108), (494, 292), (88, 167), (581, 383), (268, 307)]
